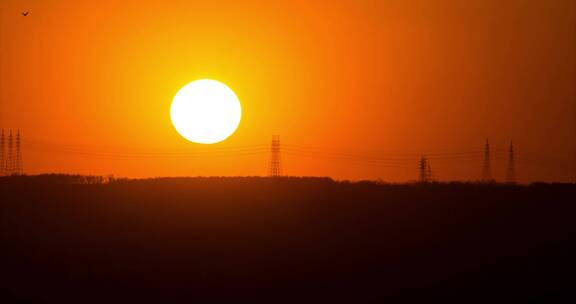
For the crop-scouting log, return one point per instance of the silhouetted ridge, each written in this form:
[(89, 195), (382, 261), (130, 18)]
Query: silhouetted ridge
[(79, 239)]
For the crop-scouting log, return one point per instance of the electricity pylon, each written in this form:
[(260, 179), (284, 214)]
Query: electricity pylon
[(275, 168), (486, 167), (3, 155), (429, 171), (10, 155), (18, 163), (425, 170), (511, 172)]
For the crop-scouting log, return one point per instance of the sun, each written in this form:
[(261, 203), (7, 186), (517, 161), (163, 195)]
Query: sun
[(205, 111)]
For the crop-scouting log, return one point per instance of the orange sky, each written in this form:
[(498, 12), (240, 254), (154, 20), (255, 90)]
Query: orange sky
[(389, 79)]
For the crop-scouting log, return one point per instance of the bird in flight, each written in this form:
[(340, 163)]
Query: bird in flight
[(25, 13)]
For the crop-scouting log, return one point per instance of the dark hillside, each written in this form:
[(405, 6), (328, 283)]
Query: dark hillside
[(72, 238)]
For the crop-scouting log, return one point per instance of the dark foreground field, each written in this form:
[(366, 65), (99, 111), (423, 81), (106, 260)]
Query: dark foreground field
[(312, 240)]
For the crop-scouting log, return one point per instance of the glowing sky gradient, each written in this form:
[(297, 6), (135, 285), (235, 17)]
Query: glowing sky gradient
[(356, 76)]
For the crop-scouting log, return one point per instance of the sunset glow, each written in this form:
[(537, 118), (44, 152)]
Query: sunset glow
[(380, 80), (281, 151)]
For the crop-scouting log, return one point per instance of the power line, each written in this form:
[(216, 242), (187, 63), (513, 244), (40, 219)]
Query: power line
[(403, 153), (12, 161), (341, 158), (137, 150), (214, 154)]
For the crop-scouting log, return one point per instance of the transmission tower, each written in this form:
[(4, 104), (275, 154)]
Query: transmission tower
[(486, 168), (425, 170), (275, 168), (10, 156), (511, 172), (3, 157), (18, 163), (429, 171)]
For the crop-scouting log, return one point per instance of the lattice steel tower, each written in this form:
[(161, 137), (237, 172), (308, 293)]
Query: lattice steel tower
[(425, 170), (511, 172), (18, 163), (486, 168), (10, 155), (275, 168), (429, 171), (3, 154)]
